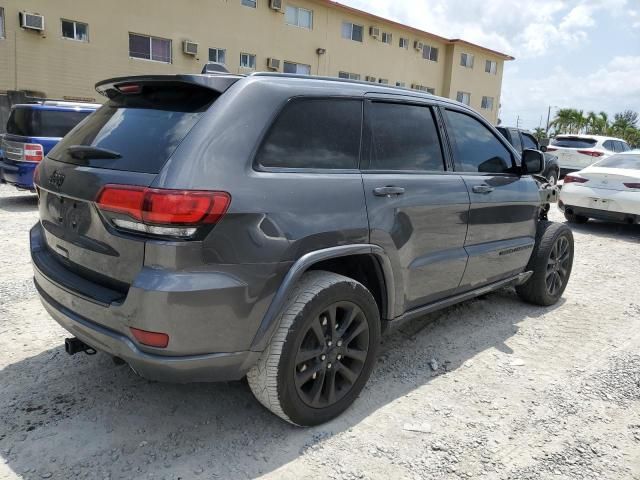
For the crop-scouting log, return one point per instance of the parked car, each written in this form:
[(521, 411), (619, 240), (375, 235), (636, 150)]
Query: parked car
[(32, 130), (607, 190), (208, 227), (523, 139), (576, 152)]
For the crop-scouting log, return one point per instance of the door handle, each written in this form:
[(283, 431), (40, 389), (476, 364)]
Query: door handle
[(388, 191), (482, 189)]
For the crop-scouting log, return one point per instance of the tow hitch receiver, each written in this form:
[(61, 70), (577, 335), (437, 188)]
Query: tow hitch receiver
[(75, 345)]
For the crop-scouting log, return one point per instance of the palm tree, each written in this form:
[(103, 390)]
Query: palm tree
[(540, 133), (563, 120)]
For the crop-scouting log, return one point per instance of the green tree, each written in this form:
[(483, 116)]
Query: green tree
[(540, 133)]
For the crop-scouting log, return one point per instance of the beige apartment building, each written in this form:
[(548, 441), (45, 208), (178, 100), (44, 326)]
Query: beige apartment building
[(61, 48)]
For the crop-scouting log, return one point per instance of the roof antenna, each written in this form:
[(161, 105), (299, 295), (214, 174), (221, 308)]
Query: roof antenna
[(214, 67)]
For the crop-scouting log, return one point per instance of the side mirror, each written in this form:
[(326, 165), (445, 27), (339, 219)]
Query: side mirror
[(532, 162), (544, 142)]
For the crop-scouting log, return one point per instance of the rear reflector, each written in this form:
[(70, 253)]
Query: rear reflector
[(33, 152), (151, 339), (572, 179), (632, 185), (591, 153)]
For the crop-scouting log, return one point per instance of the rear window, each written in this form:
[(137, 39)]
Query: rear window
[(32, 122), (574, 142), (629, 161), (144, 129)]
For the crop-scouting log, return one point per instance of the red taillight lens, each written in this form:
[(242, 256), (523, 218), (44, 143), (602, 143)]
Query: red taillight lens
[(33, 152), (572, 179), (632, 185), (551, 149), (591, 153), (151, 339), (122, 199)]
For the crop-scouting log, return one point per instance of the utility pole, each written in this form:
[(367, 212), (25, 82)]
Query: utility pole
[(518, 122), (548, 120)]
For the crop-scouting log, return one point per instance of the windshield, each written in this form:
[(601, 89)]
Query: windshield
[(628, 161), (574, 142), (144, 129), (32, 122)]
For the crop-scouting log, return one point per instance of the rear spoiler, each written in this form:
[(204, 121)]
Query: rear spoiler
[(216, 82)]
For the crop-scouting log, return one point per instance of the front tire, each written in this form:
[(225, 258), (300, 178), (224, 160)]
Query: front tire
[(322, 353), (553, 178), (551, 263)]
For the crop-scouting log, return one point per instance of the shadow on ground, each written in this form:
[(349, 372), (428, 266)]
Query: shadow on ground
[(19, 203), (617, 231), (64, 416)]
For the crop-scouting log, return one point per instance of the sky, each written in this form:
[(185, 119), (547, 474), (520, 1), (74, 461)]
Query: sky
[(582, 54)]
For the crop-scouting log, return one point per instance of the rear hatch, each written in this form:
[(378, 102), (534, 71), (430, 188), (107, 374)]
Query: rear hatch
[(126, 142), (574, 152)]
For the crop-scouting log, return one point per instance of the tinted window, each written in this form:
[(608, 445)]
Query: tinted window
[(610, 145), (144, 128), (574, 142), (630, 161), (31, 122), (529, 142), (314, 133), (515, 139), (625, 147), (476, 148), (403, 137)]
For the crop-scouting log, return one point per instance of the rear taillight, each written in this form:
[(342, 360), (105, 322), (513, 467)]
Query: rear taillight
[(572, 179), (33, 152), (152, 339), (632, 185), (551, 149), (591, 153), (164, 212)]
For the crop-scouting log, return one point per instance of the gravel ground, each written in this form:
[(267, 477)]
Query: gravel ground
[(492, 388)]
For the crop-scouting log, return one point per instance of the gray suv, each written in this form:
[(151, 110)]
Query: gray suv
[(212, 227)]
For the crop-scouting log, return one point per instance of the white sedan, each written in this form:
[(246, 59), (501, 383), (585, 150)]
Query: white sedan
[(607, 190)]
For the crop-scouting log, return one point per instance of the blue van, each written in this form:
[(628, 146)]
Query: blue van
[(32, 130)]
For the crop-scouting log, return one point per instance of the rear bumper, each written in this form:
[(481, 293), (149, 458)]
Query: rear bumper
[(601, 214), (18, 174)]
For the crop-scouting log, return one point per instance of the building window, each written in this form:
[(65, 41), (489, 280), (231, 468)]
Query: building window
[(150, 48), (422, 88), (430, 53), (383, 81), (75, 30), (249, 3), (218, 55), (299, 17), (491, 67), (387, 38), (404, 43), (352, 31), (370, 79), (401, 84), (248, 60), (1, 22), (466, 60), (487, 103), (297, 68), (464, 97), (349, 76)]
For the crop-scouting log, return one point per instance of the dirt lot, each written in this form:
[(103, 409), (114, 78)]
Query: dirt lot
[(492, 388)]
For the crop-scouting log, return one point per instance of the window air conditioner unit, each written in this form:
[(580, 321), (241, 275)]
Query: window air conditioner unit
[(374, 32), (273, 63), (190, 48), (32, 21), (418, 45), (275, 5)]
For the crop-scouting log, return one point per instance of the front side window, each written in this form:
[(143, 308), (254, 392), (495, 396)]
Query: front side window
[(464, 97), (352, 31), (149, 48), (491, 67), (349, 76), (466, 60), (249, 3), (297, 68), (476, 147), (404, 43), (430, 53), (75, 30), (529, 142), (299, 17), (2, 34), (402, 137), (218, 55), (314, 133), (487, 103), (248, 60)]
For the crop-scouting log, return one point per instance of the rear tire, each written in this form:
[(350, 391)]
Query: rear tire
[(553, 178), (322, 353), (551, 263), (573, 218)]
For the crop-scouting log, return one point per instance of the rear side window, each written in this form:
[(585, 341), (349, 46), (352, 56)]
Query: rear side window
[(144, 128), (31, 122), (316, 133), (476, 147), (574, 142), (402, 137), (610, 145), (529, 142)]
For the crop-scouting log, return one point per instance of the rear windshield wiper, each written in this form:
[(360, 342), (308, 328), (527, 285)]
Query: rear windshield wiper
[(87, 152)]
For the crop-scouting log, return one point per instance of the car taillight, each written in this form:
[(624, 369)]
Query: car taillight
[(551, 149), (632, 185), (162, 211), (572, 179), (591, 153), (152, 339), (33, 152)]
